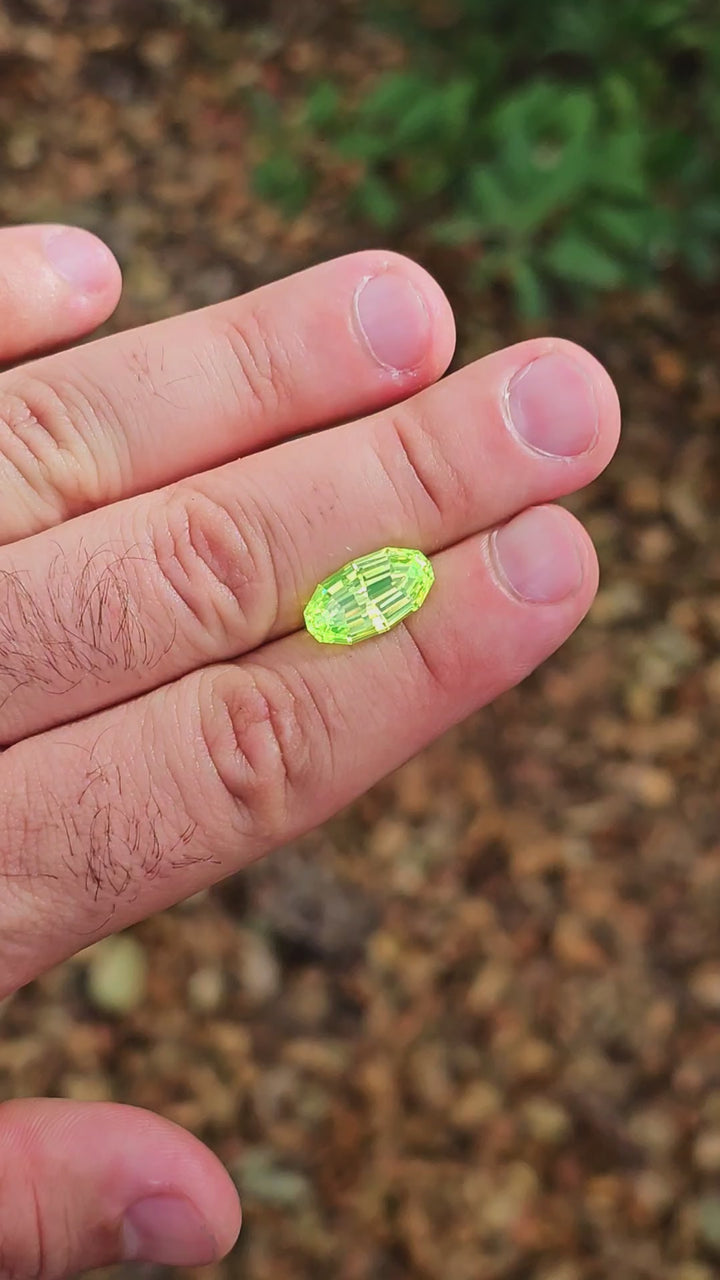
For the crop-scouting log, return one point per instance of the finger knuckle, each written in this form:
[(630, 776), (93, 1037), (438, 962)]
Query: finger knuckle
[(25, 1252), (219, 563), (262, 362), (267, 742), (424, 480), (45, 438), (19, 1259), (435, 667)]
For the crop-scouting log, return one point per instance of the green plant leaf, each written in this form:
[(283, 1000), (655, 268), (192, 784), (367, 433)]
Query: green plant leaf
[(460, 229), (624, 228), (578, 260), (284, 180), (577, 142), (392, 98), (488, 199), (620, 164), (358, 143), (529, 292), (322, 105), (376, 201), (701, 257), (426, 176)]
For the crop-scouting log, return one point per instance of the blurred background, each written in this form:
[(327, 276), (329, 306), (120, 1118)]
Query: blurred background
[(470, 1030)]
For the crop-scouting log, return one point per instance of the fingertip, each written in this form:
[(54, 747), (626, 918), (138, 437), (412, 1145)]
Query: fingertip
[(86, 266), (443, 330), (604, 390), (560, 403), (403, 315), (586, 552), (165, 1160), (581, 601), (57, 283), (169, 1229), (544, 556), (115, 1181)]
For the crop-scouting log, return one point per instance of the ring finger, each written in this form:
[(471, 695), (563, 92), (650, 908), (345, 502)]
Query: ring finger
[(127, 811)]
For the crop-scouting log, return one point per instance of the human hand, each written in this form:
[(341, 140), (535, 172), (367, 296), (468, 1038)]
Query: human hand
[(165, 718)]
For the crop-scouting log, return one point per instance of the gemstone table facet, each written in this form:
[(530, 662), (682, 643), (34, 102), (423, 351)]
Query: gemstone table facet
[(369, 595)]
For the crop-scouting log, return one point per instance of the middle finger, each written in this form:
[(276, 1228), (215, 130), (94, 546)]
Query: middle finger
[(122, 600)]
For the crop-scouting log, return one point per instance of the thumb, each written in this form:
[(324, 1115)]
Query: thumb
[(85, 1185)]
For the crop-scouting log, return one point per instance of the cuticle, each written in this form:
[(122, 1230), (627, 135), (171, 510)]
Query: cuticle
[(492, 559)]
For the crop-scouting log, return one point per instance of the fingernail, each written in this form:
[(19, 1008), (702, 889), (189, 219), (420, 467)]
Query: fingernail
[(551, 405), (80, 259), (167, 1229), (537, 557), (394, 321)]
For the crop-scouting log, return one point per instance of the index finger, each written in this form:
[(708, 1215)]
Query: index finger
[(135, 411)]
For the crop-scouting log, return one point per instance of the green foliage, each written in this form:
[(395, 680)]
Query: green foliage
[(570, 145), (204, 15), (282, 179)]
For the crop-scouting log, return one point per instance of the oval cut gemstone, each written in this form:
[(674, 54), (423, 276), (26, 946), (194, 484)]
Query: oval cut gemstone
[(369, 595)]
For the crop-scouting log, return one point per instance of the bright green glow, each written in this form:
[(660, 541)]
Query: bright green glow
[(369, 595)]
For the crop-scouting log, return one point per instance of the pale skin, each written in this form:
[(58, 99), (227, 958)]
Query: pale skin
[(164, 717)]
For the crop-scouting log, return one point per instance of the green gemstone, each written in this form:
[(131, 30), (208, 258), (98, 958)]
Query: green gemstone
[(369, 595)]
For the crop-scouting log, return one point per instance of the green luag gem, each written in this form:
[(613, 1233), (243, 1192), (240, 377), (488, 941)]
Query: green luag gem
[(369, 595)]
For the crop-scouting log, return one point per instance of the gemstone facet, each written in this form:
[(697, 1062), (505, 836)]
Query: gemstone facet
[(369, 595)]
